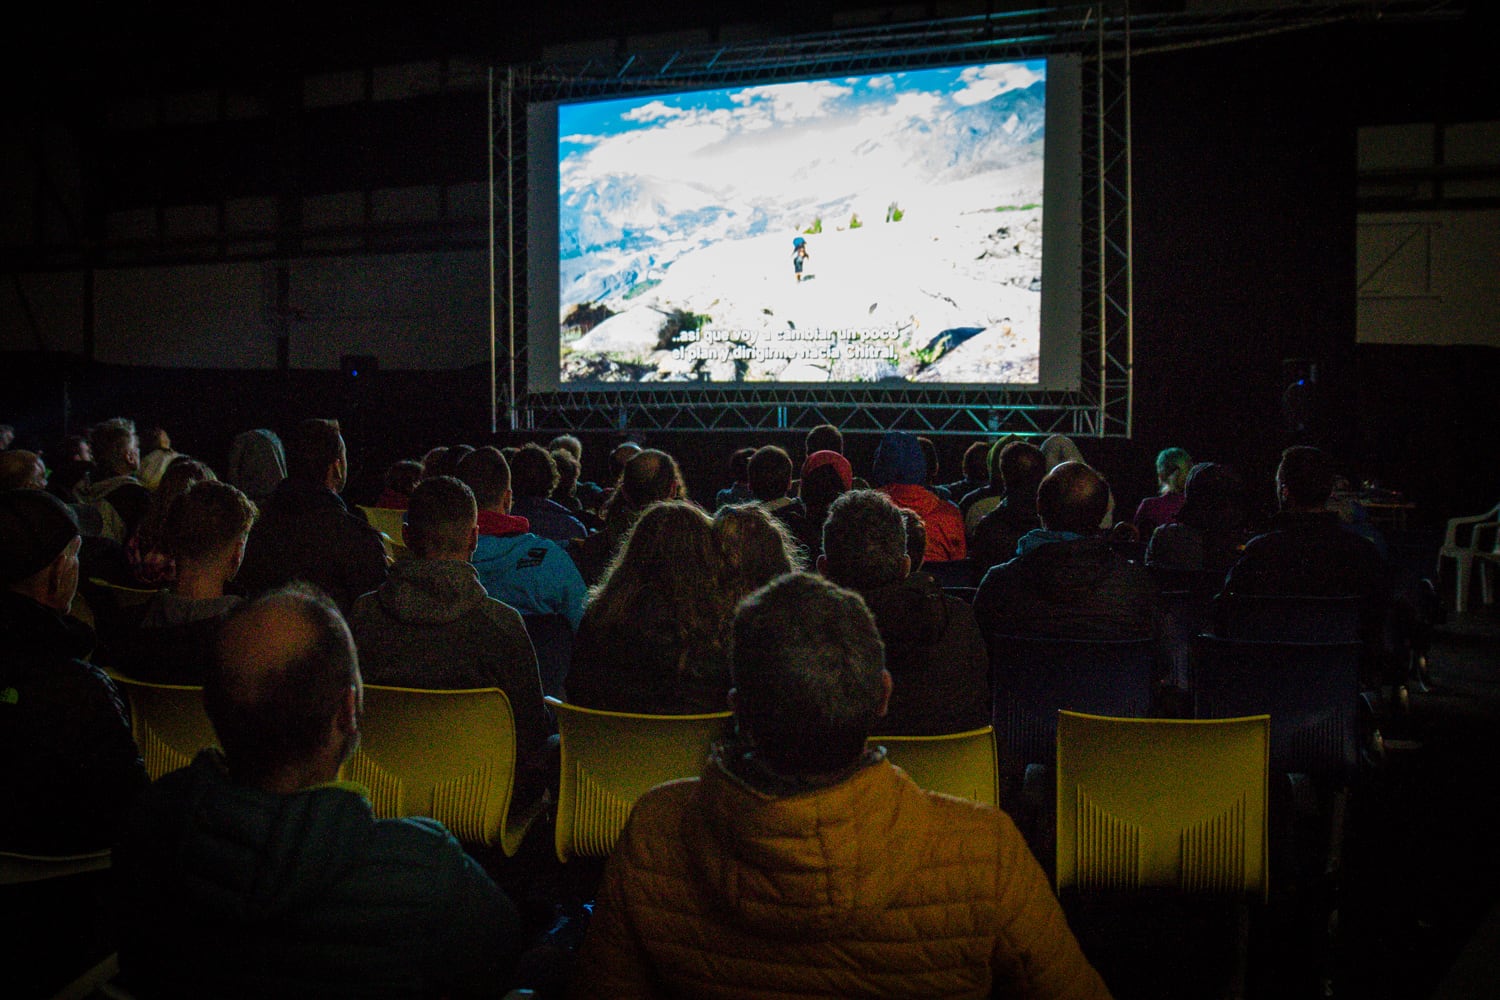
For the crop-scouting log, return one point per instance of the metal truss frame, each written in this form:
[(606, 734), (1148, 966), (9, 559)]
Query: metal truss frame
[(1107, 36)]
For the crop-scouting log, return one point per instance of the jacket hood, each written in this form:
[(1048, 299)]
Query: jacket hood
[(494, 523), (899, 459), (808, 866), (430, 591), (912, 610), (246, 856)]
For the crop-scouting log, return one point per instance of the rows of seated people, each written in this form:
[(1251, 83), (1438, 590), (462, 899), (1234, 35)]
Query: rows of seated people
[(653, 592)]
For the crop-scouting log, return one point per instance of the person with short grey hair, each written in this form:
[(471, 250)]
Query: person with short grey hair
[(933, 646), (802, 863)]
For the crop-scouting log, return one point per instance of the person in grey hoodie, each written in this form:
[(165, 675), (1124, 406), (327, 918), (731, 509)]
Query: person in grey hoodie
[(431, 624)]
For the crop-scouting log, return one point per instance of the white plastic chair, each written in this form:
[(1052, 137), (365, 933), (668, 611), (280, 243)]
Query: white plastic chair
[(1481, 539)]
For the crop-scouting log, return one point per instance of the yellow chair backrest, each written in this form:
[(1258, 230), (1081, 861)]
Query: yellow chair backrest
[(125, 597), (609, 759), (1162, 804), (168, 722), (963, 764), (450, 755), (387, 520)]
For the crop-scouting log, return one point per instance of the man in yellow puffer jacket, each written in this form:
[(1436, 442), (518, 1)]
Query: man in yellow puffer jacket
[(803, 864)]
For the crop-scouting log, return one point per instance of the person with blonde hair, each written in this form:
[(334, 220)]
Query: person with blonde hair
[(654, 637), (755, 546), (1172, 467)]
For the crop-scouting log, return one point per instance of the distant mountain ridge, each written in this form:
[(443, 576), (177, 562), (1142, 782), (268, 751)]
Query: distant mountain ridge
[(625, 215)]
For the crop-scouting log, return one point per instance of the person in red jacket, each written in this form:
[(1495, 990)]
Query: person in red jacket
[(900, 472)]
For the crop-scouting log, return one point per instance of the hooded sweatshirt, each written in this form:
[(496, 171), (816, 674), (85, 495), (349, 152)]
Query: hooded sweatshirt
[(229, 891), (869, 887), (532, 574), (937, 659), (431, 625), (899, 472)]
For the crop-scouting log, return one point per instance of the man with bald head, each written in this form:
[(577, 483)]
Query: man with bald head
[(254, 871), (1065, 581)]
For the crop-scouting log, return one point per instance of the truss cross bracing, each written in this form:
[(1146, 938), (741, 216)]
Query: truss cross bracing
[(1106, 36)]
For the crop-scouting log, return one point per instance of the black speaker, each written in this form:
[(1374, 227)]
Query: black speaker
[(359, 365)]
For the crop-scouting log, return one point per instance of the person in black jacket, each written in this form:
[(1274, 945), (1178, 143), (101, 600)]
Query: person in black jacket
[(71, 765), (1066, 582), (305, 532), (933, 647)]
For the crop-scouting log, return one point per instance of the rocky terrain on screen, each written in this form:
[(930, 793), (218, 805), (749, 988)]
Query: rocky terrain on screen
[(944, 295)]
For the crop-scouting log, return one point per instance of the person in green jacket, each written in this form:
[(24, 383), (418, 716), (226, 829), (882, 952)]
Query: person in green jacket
[(255, 872)]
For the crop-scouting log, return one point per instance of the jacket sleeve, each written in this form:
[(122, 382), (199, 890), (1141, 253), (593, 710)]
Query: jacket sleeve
[(1036, 954), (574, 592), (481, 936), (611, 961)]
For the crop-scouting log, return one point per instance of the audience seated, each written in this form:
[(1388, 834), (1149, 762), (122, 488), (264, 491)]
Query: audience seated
[(646, 478), (1308, 551), (255, 872), (826, 476), (516, 566), (933, 647), (1208, 534), (533, 476), (205, 533), (899, 471), (930, 456), (738, 490), (70, 762), (1172, 467), (770, 473), (804, 864), (22, 470), (566, 492), (1066, 581), (431, 624), (976, 470), (754, 549), (654, 638), (305, 532), (156, 455), (70, 469), (399, 480), (115, 492), (590, 494), (980, 501), (257, 463), (150, 561), (1059, 448), (994, 536)]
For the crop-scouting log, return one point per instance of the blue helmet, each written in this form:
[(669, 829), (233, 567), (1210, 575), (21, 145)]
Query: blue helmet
[(799, 241)]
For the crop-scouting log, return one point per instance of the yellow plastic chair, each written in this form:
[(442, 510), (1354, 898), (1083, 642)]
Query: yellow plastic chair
[(1162, 804), (16, 868), (962, 764), (609, 759), (125, 597), (168, 721), (450, 755), (387, 520)]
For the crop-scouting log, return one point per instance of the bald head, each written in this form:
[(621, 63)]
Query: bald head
[(283, 691), (1072, 497)]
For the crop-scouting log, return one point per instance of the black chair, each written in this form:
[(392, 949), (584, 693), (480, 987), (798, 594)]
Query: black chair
[(1310, 690), (957, 573), (1031, 680), (1287, 618)]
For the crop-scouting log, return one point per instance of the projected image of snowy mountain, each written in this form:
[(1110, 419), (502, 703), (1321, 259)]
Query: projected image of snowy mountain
[(851, 230)]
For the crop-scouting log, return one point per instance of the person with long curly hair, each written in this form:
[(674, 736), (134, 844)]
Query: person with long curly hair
[(756, 547), (654, 637)]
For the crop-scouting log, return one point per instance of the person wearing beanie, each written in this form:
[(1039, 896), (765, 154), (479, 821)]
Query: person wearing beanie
[(900, 470), (72, 764)]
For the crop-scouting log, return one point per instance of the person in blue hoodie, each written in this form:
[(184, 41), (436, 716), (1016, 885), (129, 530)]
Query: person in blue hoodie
[(532, 574)]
